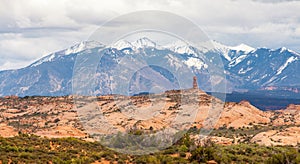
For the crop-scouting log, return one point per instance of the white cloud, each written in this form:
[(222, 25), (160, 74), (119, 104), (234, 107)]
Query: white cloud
[(33, 28)]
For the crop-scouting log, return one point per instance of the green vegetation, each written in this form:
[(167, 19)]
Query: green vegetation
[(33, 149), (245, 133), (246, 153)]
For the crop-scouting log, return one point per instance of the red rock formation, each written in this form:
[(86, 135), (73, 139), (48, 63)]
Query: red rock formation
[(195, 84)]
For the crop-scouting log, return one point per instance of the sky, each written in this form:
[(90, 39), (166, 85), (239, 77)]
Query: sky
[(32, 29)]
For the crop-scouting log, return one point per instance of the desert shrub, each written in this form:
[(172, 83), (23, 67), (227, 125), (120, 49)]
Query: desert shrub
[(121, 161), (33, 149), (186, 140), (170, 150), (147, 159), (202, 154), (25, 155), (183, 148), (290, 156)]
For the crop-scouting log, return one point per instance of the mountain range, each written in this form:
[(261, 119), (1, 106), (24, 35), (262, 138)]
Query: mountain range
[(245, 68)]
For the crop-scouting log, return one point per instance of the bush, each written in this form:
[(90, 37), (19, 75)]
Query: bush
[(33, 149), (25, 155), (290, 156), (202, 154), (183, 148)]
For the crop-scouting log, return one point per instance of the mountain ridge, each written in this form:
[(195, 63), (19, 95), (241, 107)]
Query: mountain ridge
[(245, 67), (70, 116)]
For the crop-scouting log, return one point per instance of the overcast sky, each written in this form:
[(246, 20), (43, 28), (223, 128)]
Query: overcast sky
[(31, 29)]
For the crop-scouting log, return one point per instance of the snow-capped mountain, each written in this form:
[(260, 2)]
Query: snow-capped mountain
[(140, 43), (72, 50), (121, 44), (266, 67), (181, 47), (82, 46), (245, 67), (242, 47), (144, 42)]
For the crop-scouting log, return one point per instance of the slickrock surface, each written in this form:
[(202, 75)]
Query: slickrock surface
[(177, 109)]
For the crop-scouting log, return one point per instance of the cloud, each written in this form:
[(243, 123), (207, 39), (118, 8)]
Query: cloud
[(274, 1), (33, 28), (21, 48)]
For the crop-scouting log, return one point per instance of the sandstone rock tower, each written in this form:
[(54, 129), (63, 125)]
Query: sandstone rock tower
[(195, 84)]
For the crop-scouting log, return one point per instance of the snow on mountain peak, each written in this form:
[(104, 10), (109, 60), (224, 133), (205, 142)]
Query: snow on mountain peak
[(74, 49), (222, 48), (183, 47), (283, 49), (83, 46), (218, 45), (294, 52), (226, 49), (121, 44), (140, 43), (242, 47), (144, 42), (180, 47), (44, 59)]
